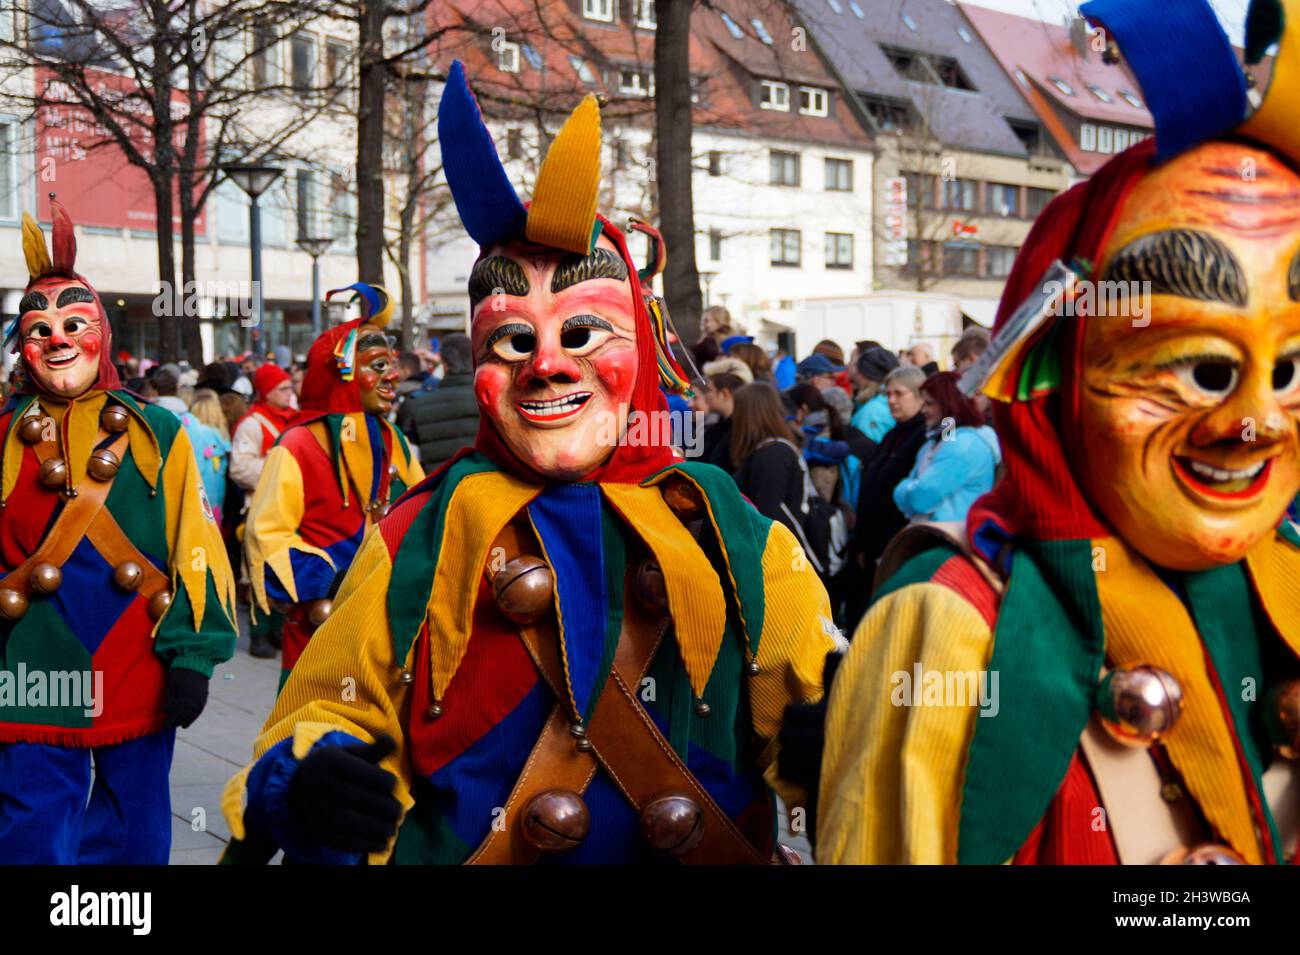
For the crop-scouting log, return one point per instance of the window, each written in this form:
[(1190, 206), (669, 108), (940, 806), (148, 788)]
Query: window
[(909, 22), (1002, 199), (8, 172), (232, 213), (532, 56), (1037, 200), (308, 226), (785, 246), (1100, 93), (998, 260), (620, 153), (635, 83), (645, 14), (921, 189), (337, 63), (813, 101), (343, 212), (732, 27), (835, 5), (839, 250), (964, 34), (1105, 139), (514, 143), (1061, 85), (839, 175), (1029, 134), (582, 69), (1131, 98), (1020, 75), (959, 195), (715, 245), (774, 95), (761, 30), (7, 22), (889, 115), (857, 10), (1088, 137), (1121, 140), (960, 258), (928, 68), (715, 163), (276, 214), (302, 51), (602, 10), (920, 257), (785, 168), (508, 57), (265, 60)]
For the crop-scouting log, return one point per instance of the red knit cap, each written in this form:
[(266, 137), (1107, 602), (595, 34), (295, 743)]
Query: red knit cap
[(267, 378)]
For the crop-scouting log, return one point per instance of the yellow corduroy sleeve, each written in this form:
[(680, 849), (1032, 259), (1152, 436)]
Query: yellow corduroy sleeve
[(798, 633), (892, 772), (347, 679), (271, 529), (194, 541)]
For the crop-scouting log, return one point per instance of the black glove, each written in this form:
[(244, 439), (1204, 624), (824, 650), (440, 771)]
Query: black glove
[(342, 799), (187, 694), (803, 737)]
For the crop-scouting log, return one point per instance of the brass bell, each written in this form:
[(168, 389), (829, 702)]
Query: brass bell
[(555, 820), (103, 465), (524, 589), (1282, 718), (159, 603), (114, 418), (1110, 56), (751, 668), (684, 498), (46, 578), (318, 611), (406, 677), (649, 586), (1139, 705), (392, 472), (31, 429), (54, 472), (1207, 853), (434, 711), (701, 708), (673, 823), (128, 575), (13, 604)]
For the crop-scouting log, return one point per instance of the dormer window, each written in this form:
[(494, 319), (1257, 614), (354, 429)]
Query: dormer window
[(508, 57), (1131, 98), (602, 10), (775, 95), (1100, 93), (761, 30), (636, 83), (645, 14), (1061, 85), (732, 27), (813, 101)]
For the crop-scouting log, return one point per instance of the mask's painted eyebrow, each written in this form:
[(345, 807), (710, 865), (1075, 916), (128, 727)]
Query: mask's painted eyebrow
[(586, 321), (33, 302), (506, 331), (1181, 262), (374, 341), (496, 272), (600, 264), (74, 294)]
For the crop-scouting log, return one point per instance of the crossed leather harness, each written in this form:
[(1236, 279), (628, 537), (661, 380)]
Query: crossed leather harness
[(84, 517), (623, 740)]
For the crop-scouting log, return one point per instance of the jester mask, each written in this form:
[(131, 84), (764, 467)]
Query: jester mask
[(568, 345), (61, 333), (350, 368)]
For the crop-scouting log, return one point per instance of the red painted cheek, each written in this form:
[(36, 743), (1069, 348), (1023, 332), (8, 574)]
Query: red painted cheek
[(490, 383), (91, 344), (617, 372), (367, 380), (31, 353)]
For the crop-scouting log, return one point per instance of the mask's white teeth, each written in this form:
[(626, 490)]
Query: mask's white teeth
[(1219, 474), (555, 405)]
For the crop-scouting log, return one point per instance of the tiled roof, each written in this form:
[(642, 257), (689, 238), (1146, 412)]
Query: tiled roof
[(962, 118)]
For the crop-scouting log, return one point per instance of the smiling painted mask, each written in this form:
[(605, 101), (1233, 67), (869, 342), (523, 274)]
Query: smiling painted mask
[(376, 371), (1190, 422), (555, 353)]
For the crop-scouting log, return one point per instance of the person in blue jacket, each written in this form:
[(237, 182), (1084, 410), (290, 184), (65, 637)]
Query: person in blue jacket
[(871, 416), (958, 461)]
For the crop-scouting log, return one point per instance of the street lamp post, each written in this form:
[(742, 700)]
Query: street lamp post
[(254, 179), (315, 248)]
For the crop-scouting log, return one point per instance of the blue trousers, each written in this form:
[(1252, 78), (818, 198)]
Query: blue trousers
[(52, 812)]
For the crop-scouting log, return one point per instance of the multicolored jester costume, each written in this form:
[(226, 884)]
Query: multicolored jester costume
[(564, 645), (116, 600), (1101, 665), (330, 475)]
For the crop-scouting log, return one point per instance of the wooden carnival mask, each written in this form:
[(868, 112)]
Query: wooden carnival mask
[(554, 338), (376, 370), (61, 336), (1190, 422)]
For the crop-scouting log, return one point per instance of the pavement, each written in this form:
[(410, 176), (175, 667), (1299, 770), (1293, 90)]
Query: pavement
[(220, 744)]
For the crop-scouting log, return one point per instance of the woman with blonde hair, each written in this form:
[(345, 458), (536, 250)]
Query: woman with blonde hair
[(210, 435)]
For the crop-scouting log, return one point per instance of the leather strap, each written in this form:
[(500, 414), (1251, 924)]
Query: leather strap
[(625, 741), (70, 526)]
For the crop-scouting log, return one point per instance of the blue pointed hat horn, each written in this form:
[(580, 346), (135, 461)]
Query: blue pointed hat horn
[(1190, 77), (488, 205)]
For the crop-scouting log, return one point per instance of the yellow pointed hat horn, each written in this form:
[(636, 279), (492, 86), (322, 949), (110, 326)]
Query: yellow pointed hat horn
[(563, 210), (34, 249), (1276, 121)]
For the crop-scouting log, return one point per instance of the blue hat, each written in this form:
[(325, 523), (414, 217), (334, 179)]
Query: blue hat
[(816, 364), (735, 340)]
